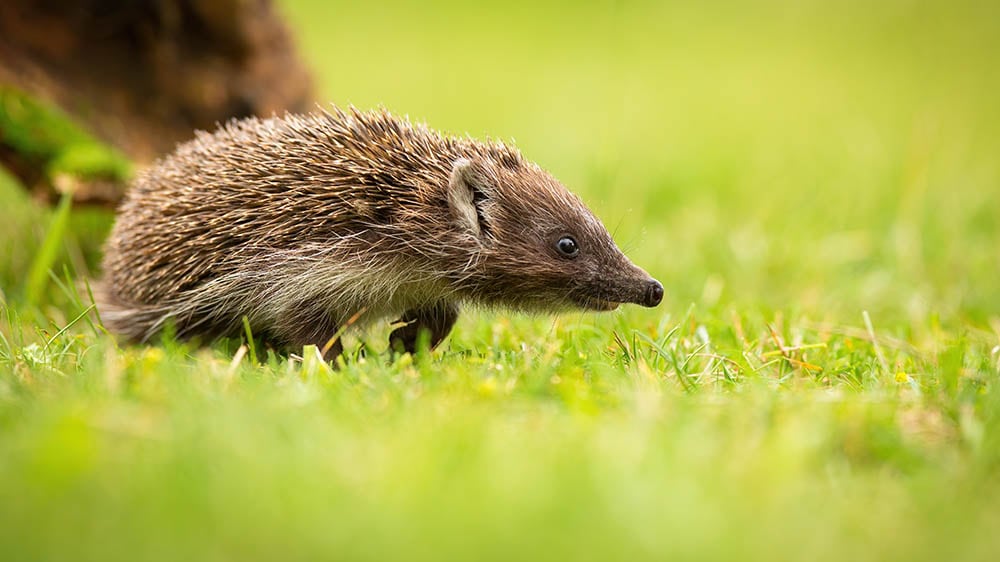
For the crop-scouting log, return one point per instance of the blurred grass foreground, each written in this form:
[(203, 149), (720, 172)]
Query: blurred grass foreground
[(816, 183)]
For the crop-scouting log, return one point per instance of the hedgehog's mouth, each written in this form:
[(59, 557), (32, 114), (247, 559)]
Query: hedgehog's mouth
[(598, 304), (605, 305)]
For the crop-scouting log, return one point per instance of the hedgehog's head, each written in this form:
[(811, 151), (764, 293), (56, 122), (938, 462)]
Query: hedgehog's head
[(537, 246)]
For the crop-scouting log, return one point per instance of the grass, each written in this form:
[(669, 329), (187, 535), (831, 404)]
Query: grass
[(817, 186)]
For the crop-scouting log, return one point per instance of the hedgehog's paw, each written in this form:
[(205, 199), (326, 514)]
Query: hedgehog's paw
[(433, 323)]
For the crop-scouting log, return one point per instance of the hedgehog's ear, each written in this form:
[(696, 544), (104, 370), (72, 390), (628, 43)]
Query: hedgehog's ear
[(465, 194)]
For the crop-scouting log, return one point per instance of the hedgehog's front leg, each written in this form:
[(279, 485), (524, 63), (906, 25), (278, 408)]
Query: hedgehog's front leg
[(437, 320), (309, 324)]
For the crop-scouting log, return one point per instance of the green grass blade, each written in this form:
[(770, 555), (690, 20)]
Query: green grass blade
[(48, 253)]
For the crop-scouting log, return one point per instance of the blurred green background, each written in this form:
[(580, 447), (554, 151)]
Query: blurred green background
[(783, 167)]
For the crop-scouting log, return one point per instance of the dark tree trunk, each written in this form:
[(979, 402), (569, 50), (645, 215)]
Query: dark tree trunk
[(142, 75)]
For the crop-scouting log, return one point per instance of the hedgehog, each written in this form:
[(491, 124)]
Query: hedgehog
[(299, 226)]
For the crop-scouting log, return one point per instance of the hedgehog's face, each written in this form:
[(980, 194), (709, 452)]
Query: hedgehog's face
[(538, 246)]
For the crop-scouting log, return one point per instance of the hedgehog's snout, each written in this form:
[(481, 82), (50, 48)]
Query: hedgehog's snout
[(644, 291)]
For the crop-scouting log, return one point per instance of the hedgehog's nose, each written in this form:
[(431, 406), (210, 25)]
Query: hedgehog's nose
[(654, 293)]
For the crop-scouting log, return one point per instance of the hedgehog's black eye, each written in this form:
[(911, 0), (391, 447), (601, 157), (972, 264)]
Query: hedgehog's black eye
[(567, 247)]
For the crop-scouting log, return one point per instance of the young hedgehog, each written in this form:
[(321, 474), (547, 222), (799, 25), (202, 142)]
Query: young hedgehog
[(306, 223)]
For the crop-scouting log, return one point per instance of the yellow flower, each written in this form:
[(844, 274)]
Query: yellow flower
[(901, 377), (488, 386)]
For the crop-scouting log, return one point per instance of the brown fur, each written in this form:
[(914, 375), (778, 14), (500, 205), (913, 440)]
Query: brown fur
[(300, 223)]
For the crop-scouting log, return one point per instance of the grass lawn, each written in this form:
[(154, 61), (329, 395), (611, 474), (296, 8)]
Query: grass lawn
[(816, 184)]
